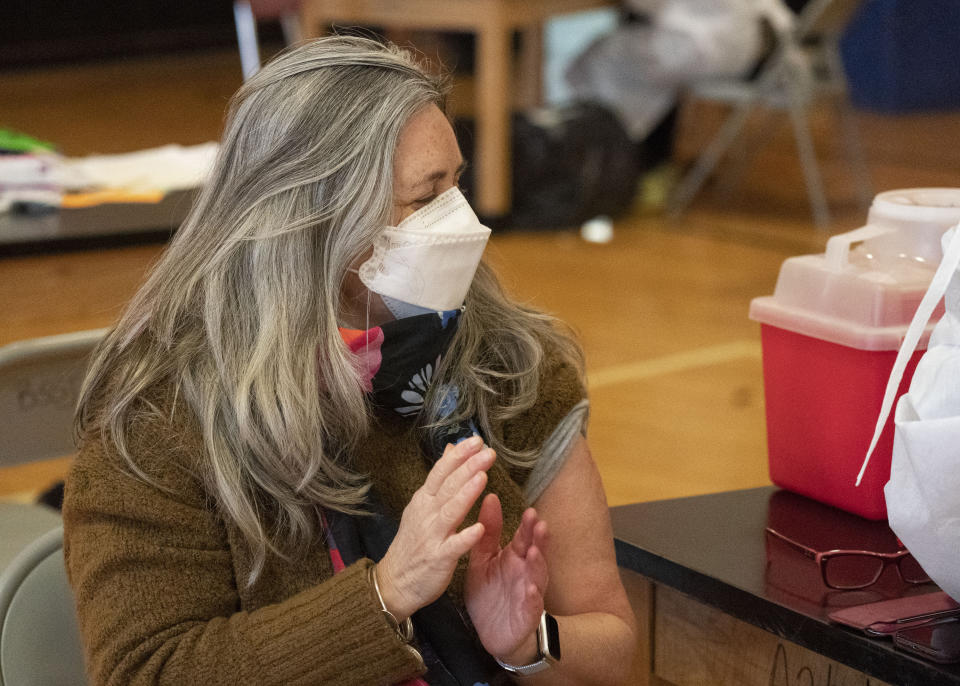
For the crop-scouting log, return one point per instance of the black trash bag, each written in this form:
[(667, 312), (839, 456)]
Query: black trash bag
[(570, 164)]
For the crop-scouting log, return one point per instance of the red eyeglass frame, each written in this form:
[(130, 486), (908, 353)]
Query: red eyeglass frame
[(821, 559)]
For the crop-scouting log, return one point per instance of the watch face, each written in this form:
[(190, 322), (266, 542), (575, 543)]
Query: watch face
[(552, 636)]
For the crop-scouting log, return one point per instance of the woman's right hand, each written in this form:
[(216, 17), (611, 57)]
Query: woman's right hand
[(420, 562)]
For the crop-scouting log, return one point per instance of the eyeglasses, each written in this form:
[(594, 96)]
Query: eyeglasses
[(850, 570)]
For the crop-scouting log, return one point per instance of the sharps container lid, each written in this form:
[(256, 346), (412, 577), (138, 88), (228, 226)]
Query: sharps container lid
[(863, 291)]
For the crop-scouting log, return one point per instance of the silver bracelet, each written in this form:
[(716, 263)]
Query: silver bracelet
[(404, 630)]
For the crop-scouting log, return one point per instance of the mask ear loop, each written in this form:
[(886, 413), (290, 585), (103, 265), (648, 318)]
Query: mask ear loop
[(366, 328), (366, 323), (367, 317), (366, 332)]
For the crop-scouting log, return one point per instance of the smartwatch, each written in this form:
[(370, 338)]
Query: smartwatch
[(548, 647)]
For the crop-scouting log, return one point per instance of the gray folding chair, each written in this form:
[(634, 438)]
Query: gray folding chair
[(790, 84), (39, 384), (39, 638)]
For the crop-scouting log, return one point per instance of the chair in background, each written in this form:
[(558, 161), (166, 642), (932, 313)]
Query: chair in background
[(39, 386), (39, 637), (804, 64), (245, 16)]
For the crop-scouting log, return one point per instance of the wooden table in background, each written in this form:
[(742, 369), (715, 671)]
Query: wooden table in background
[(110, 225), (498, 87)]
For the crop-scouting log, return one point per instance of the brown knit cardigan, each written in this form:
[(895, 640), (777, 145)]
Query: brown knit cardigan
[(159, 575)]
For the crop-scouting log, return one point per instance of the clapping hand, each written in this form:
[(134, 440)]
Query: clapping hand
[(505, 586), (420, 562)]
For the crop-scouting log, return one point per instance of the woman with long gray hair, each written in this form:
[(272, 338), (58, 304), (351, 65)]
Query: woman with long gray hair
[(310, 446)]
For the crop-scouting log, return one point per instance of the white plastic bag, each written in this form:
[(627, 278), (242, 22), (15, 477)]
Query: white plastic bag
[(923, 494)]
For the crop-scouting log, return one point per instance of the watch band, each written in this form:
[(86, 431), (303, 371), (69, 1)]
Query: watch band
[(525, 670), (548, 648)]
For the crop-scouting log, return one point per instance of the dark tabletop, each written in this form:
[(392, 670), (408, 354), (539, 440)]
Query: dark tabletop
[(714, 548)]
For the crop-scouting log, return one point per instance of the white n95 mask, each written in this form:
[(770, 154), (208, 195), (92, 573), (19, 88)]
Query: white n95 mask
[(429, 259)]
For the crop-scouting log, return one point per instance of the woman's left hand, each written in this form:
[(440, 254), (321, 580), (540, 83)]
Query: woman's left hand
[(505, 586)]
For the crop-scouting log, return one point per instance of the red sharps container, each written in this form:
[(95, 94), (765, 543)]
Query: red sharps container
[(830, 334)]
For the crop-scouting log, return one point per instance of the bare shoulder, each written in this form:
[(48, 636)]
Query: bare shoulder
[(577, 489), (580, 553)]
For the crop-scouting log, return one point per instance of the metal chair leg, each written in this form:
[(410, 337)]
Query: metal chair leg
[(246, 38), (707, 161), (808, 160)]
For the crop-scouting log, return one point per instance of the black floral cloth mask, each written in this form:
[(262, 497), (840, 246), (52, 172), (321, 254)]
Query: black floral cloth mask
[(399, 360)]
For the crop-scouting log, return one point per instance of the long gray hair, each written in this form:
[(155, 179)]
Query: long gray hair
[(240, 314)]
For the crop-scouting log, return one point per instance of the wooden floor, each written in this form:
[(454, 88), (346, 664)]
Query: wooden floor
[(674, 361)]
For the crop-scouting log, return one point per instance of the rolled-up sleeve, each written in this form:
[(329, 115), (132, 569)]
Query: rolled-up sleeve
[(549, 428)]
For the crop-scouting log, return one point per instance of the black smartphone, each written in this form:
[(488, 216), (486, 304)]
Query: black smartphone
[(937, 641)]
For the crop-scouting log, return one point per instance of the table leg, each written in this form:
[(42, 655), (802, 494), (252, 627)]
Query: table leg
[(640, 591), (492, 197)]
